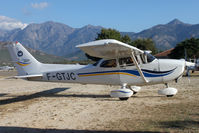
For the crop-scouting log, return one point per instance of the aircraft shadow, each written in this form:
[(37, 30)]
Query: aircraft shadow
[(53, 93), (82, 96), (3, 94), (185, 124), (45, 93), (146, 96), (6, 129)]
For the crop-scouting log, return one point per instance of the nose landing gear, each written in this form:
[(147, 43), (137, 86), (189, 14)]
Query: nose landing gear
[(168, 91)]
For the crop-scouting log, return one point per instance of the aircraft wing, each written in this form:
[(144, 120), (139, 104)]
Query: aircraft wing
[(108, 49)]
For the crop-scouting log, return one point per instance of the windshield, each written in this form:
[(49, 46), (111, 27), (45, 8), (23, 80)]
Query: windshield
[(150, 57)]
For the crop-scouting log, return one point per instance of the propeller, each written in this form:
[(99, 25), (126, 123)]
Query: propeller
[(188, 65)]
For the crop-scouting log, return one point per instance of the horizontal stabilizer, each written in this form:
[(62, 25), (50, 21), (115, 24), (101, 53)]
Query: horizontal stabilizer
[(28, 76)]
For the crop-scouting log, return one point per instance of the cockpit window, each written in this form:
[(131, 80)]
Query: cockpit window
[(96, 63), (150, 57), (127, 61), (109, 63)]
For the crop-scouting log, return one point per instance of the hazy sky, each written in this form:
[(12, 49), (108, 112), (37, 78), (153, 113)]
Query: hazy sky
[(123, 15)]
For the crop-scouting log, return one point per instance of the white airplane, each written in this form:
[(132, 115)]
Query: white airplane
[(122, 65)]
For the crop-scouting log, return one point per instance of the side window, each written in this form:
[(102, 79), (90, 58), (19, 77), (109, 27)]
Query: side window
[(127, 61), (143, 58), (109, 63), (96, 63)]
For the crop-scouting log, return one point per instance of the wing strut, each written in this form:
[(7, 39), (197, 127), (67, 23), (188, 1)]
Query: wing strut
[(138, 68)]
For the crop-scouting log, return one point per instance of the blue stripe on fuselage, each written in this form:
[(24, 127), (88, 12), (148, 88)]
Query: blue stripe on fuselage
[(147, 73)]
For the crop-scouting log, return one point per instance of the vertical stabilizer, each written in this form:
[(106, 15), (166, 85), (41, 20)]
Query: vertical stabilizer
[(25, 63)]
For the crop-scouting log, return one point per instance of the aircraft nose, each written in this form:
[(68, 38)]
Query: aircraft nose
[(174, 67), (183, 62), (181, 66)]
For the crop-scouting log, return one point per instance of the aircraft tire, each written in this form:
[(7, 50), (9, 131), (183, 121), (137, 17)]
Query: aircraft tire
[(170, 95), (123, 98)]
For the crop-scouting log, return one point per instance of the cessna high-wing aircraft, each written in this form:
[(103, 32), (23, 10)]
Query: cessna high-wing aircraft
[(121, 64)]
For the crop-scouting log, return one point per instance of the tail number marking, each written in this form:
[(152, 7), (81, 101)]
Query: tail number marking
[(61, 76)]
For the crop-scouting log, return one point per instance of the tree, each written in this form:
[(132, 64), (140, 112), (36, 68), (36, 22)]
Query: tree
[(113, 34), (109, 34), (190, 45), (126, 39), (145, 44)]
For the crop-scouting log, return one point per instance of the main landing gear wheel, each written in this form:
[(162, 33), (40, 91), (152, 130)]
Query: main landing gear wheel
[(123, 94), (170, 95)]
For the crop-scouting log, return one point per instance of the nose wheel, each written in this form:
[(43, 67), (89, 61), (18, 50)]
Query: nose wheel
[(168, 91)]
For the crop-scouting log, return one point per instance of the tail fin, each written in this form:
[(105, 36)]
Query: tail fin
[(25, 63)]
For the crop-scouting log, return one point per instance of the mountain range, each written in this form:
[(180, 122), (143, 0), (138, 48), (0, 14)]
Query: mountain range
[(60, 39), (5, 58), (166, 36)]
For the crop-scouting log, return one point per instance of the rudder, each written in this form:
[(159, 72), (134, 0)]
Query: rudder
[(25, 63)]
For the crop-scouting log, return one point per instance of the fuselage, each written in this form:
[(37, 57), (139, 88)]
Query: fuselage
[(131, 68), (156, 71)]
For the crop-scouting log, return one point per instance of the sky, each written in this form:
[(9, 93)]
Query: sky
[(122, 15)]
